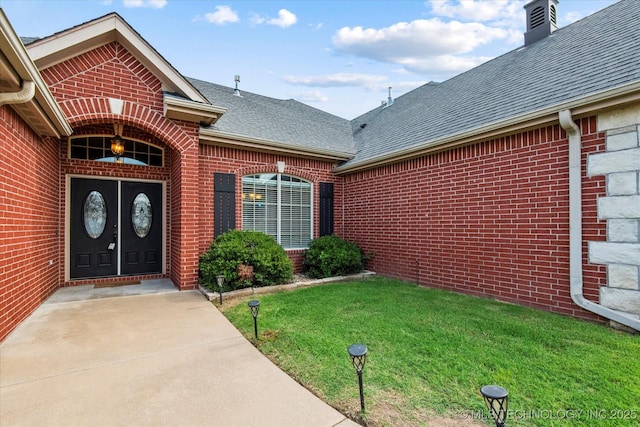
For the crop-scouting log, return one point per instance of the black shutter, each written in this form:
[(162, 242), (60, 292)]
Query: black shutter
[(326, 209), (224, 202)]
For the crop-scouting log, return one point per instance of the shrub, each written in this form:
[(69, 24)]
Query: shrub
[(330, 256), (235, 248)]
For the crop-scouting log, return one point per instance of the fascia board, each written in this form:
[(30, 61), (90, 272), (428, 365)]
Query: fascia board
[(583, 106), (44, 104), (182, 109), (216, 137)]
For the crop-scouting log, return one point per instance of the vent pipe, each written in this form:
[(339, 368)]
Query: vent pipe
[(389, 100), (236, 91), (542, 20)]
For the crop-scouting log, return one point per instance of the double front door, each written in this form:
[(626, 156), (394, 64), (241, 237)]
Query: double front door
[(115, 228)]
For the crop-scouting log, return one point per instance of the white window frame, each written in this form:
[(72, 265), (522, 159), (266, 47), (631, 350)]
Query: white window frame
[(250, 197)]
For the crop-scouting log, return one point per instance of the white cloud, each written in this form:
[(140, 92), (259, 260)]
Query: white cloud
[(415, 42), (479, 10), (313, 96), (443, 65), (285, 19), (337, 80), (256, 19), (222, 15), (153, 4)]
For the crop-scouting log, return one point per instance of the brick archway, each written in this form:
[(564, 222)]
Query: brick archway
[(182, 137), (300, 173), (84, 111)]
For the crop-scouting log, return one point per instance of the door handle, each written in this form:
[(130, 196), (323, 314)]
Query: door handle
[(112, 245)]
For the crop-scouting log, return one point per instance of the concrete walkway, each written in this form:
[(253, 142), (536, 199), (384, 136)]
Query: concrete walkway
[(144, 355)]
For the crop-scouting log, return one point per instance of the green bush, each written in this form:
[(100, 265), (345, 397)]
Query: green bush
[(270, 263), (330, 256)]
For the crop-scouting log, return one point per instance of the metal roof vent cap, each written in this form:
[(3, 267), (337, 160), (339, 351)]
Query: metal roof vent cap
[(389, 99), (542, 20), (236, 91)]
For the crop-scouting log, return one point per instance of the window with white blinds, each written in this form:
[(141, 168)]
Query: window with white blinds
[(280, 206)]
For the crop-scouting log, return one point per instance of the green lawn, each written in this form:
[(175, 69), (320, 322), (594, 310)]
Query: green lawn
[(430, 351)]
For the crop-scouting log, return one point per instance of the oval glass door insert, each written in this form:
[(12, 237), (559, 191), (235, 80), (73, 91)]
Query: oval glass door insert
[(141, 215), (95, 214)]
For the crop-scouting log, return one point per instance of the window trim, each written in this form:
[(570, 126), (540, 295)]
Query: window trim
[(311, 205)]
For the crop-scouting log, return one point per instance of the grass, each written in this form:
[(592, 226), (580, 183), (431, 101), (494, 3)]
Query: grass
[(429, 352)]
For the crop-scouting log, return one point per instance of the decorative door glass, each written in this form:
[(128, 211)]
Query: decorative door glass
[(141, 215), (95, 214)]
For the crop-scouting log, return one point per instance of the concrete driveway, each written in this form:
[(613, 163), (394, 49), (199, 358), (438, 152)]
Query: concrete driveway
[(136, 357)]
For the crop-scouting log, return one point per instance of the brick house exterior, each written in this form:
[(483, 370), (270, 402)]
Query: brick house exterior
[(505, 193)]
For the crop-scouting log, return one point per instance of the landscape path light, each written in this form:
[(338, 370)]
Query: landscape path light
[(220, 279), (358, 353), (254, 305), (497, 400)]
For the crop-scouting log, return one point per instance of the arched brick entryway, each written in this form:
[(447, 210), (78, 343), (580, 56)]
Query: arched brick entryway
[(182, 206)]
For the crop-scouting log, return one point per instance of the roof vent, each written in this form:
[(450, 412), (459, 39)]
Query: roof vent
[(236, 91), (541, 20), (389, 99)]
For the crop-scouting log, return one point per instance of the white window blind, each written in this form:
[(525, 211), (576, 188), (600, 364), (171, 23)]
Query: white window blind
[(280, 206)]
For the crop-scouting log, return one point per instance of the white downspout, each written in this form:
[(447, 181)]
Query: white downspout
[(575, 227), (25, 95)]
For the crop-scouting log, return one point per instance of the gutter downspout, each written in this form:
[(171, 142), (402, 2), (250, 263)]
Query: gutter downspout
[(575, 227), (26, 94)]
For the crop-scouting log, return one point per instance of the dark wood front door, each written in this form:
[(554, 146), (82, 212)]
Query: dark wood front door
[(116, 228)]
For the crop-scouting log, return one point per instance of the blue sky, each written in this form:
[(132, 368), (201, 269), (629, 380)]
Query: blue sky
[(337, 56)]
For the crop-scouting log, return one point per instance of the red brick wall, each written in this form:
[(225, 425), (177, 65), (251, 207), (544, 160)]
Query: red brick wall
[(490, 219), (240, 162), (29, 221), (82, 86), (109, 71)]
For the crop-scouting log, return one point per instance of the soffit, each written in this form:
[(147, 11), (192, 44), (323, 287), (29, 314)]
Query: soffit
[(41, 113)]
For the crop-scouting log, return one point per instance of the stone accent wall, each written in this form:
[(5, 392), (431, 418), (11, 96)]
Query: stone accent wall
[(620, 164)]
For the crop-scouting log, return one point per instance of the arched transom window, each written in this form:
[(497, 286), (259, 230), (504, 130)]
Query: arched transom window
[(98, 148), (280, 206)]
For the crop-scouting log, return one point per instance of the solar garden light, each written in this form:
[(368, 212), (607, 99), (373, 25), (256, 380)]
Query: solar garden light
[(358, 353), (497, 399), (254, 305), (220, 279)]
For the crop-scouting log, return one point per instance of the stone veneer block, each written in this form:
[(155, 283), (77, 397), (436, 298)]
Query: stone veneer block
[(619, 207), (623, 276), (614, 253), (620, 299), (614, 161), (619, 118), (622, 141), (623, 230), (622, 184)]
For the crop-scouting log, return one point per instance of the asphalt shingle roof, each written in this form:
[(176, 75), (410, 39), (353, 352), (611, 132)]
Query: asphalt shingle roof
[(284, 121), (597, 53)]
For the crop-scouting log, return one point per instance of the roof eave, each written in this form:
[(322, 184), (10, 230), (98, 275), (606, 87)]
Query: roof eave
[(243, 142), (598, 101), (183, 109), (43, 112)]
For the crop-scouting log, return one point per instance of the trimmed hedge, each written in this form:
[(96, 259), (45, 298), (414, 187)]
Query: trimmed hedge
[(270, 263), (330, 256)]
